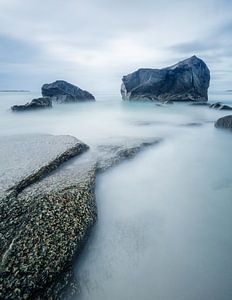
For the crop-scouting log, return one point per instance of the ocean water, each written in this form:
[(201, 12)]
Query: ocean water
[(165, 216)]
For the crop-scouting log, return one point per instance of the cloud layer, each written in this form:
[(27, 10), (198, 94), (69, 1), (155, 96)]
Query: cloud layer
[(93, 43)]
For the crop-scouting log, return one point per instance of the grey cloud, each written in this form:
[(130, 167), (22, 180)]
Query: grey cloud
[(94, 43), (14, 50)]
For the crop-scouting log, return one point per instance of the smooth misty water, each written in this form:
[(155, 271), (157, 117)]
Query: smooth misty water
[(165, 217)]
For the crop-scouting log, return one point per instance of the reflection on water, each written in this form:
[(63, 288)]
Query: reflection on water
[(165, 217)]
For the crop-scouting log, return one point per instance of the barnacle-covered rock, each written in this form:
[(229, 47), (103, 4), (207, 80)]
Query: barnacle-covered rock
[(42, 224), (45, 220)]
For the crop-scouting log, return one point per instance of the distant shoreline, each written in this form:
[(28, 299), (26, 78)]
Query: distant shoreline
[(10, 91)]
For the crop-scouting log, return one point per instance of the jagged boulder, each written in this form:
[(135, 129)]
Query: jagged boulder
[(43, 102), (187, 80), (62, 91)]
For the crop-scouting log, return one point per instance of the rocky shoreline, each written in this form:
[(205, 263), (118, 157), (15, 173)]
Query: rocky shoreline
[(47, 212)]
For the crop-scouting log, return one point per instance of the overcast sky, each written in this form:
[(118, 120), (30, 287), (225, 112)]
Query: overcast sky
[(93, 43)]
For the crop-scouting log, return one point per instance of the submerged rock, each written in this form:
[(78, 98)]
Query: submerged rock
[(117, 150), (187, 80), (192, 124), (225, 107), (220, 106), (62, 91), (215, 105), (43, 102), (224, 122)]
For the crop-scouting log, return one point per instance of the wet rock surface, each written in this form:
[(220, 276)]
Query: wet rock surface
[(62, 92), (224, 122), (47, 212), (187, 80), (38, 103)]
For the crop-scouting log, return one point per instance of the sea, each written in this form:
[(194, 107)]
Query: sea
[(164, 229)]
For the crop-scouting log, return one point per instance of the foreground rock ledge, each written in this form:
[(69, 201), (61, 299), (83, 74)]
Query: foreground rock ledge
[(187, 80), (45, 220), (41, 226)]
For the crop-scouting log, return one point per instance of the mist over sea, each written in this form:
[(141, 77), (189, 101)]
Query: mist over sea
[(164, 225)]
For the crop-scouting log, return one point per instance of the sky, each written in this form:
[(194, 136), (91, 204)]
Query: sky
[(93, 43)]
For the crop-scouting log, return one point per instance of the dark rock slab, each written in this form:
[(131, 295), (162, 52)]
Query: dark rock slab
[(220, 106), (39, 103), (62, 91), (224, 122), (187, 80)]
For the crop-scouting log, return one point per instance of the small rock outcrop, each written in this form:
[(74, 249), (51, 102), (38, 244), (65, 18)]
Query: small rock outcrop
[(62, 92), (220, 106), (39, 103), (224, 122), (187, 80)]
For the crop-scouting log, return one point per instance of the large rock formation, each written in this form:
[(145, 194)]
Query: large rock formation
[(224, 122), (45, 220), (38, 103), (62, 91), (187, 80)]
